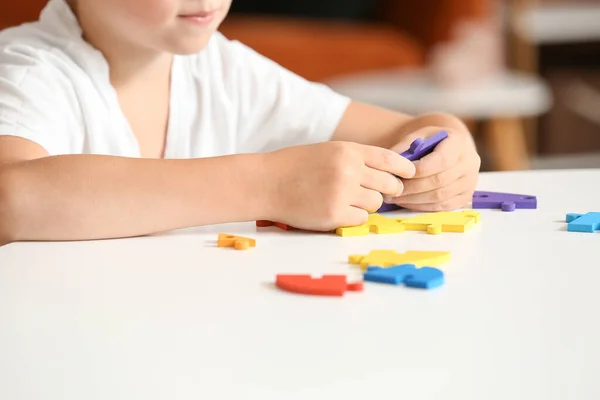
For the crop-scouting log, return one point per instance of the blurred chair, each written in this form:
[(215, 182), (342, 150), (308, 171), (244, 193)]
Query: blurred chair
[(467, 76), (523, 56), (318, 49)]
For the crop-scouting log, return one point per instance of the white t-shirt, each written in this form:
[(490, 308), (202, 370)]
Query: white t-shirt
[(55, 90)]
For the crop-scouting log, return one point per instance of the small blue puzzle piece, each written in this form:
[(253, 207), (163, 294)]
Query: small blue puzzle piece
[(409, 274), (589, 222)]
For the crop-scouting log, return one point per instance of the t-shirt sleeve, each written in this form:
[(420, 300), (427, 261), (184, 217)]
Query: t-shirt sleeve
[(36, 100), (276, 107)]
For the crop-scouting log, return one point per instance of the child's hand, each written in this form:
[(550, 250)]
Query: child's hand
[(324, 186), (445, 179)]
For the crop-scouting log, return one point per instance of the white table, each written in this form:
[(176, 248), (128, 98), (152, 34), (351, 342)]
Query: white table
[(561, 23), (173, 317), (510, 94), (503, 101)]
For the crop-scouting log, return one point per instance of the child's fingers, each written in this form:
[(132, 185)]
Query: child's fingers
[(368, 200), (382, 182), (433, 182), (354, 216), (423, 133), (446, 155), (452, 204), (437, 195), (388, 161), (406, 141)]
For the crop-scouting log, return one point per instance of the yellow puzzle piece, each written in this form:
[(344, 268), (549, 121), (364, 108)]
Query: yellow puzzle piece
[(432, 223), (389, 258), (377, 223), (436, 223)]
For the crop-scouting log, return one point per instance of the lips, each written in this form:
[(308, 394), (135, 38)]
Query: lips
[(200, 18), (200, 14)]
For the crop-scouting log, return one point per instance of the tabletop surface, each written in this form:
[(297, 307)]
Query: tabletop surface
[(509, 94), (172, 316), (560, 23)]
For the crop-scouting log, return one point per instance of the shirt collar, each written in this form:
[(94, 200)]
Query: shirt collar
[(59, 15)]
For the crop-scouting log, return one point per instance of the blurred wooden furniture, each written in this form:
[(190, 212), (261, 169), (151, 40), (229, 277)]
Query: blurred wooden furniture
[(523, 56), (560, 40), (522, 52), (318, 50), (556, 22), (537, 23), (501, 104)]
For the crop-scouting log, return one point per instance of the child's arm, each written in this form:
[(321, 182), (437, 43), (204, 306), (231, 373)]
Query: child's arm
[(79, 197), (444, 180), (367, 124), (82, 197)]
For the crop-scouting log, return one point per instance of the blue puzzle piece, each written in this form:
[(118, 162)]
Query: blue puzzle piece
[(589, 222), (409, 274)]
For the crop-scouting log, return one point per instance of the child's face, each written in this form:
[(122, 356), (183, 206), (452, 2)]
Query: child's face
[(174, 26)]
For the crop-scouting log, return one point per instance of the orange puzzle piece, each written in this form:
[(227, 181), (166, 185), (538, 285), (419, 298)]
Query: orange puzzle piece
[(263, 224), (237, 242)]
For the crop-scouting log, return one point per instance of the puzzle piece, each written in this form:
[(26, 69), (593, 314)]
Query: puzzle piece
[(589, 222), (377, 224), (436, 223), (423, 278), (263, 224), (504, 201), (328, 285), (237, 242), (388, 258), (418, 149), (433, 223), (386, 207)]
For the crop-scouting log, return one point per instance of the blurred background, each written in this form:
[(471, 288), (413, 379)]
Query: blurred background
[(523, 74)]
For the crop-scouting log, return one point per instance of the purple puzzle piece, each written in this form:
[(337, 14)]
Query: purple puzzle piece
[(385, 207), (504, 201), (418, 149)]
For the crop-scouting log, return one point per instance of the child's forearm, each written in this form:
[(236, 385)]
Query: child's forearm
[(441, 120), (364, 123), (84, 197)]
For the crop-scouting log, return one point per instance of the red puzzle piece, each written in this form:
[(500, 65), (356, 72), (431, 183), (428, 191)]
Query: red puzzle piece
[(263, 224), (328, 285)]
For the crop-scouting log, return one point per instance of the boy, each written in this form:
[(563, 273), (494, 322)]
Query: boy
[(122, 118)]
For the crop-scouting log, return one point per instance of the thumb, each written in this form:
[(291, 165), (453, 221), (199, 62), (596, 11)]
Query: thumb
[(405, 142)]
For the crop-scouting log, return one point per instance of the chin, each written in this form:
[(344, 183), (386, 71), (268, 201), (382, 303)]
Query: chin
[(189, 46)]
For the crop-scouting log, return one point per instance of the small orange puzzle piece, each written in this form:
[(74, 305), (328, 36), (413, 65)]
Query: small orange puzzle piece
[(237, 242)]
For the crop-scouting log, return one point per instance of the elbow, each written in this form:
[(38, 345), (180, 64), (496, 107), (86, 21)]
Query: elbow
[(8, 226)]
